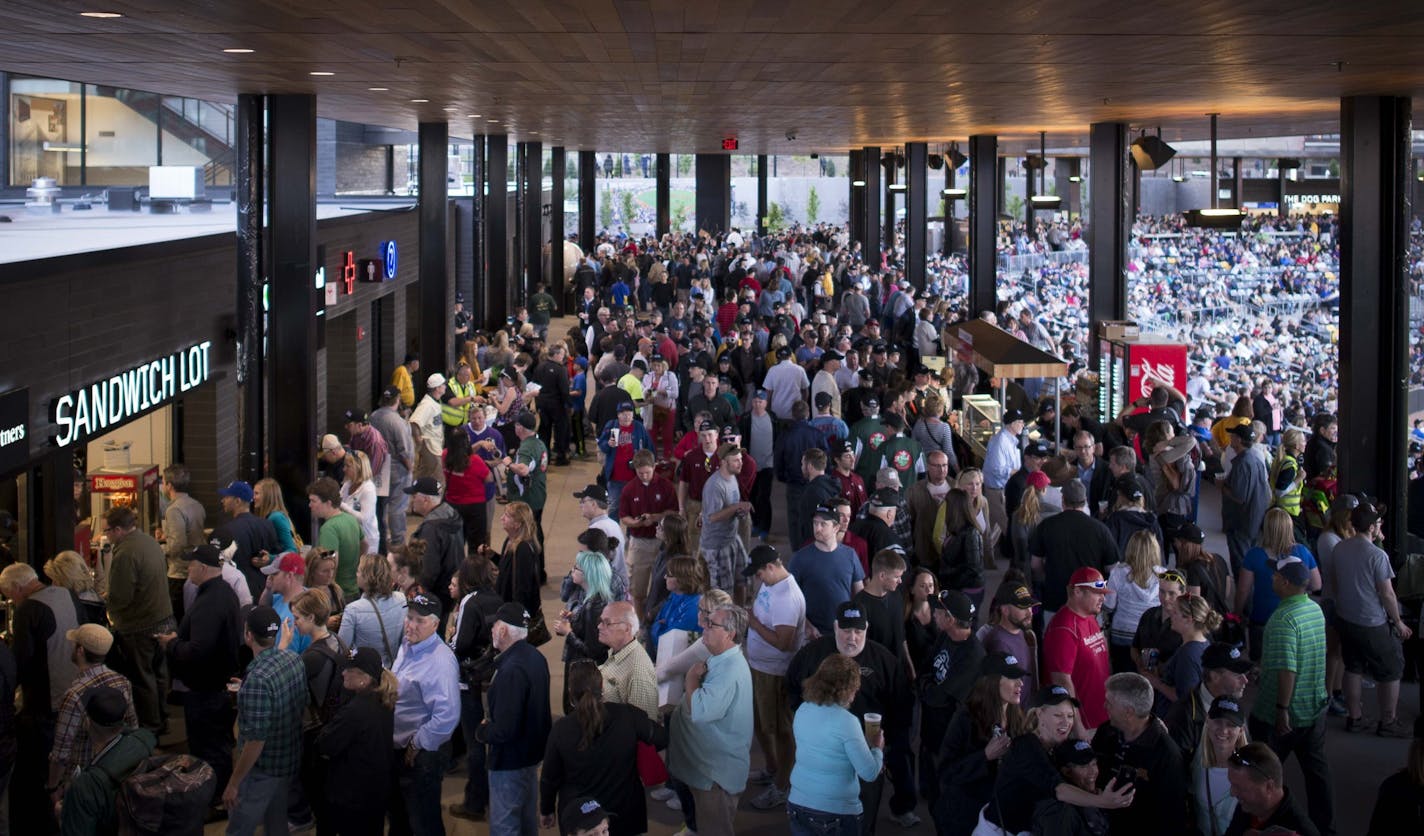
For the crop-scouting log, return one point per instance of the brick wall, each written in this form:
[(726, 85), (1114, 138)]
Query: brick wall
[(361, 169)]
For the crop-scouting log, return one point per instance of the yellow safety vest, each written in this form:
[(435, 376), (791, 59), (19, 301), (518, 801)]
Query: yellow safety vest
[(454, 416), (1289, 498)]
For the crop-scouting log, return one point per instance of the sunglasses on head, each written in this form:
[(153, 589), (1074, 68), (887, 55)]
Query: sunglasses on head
[(1173, 576)]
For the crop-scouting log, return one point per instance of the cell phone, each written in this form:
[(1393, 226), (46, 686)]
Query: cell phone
[(998, 731), (1124, 775)]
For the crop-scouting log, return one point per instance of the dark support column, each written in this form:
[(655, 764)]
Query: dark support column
[(983, 220), (477, 306), (1280, 192), (52, 494), (856, 173), (5, 130), (1110, 213), (870, 244), (663, 172), (557, 287), (497, 232), (390, 169), (1001, 185), (533, 187), (763, 201), (1374, 303), (1236, 183), (435, 343), (588, 195), (887, 232), (916, 212), (516, 249), (947, 246), (292, 339), (714, 192), (248, 185)]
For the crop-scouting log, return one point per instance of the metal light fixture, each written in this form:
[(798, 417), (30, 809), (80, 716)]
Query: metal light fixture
[(1150, 152), (935, 162), (956, 157), (859, 184), (1039, 162), (954, 193), (897, 187), (1214, 217)]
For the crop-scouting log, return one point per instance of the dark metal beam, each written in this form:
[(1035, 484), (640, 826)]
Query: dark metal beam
[(292, 340), (557, 166), (250, 189), (477, 306), (857, 206), (435, 345), (1110, 214), (714, 192), (916, 211), (870, 156), (663, 176), (887, 232), (588, 192), (533, 232), (983, 222), (497, 231), (763, 201), (1374, 304)]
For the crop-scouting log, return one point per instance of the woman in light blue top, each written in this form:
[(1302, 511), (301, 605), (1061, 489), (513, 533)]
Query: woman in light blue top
[(831, 754), (267, 502), (375, 620)]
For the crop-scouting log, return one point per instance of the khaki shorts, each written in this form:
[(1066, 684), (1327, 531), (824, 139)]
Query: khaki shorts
[(642, 553)]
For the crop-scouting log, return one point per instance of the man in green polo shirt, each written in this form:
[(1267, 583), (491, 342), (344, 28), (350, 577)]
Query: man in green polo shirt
[(541, 309), (340, 532), (528, 471), (1289, 713)]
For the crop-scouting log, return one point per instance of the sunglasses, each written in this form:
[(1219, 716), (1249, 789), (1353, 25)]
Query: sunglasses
[(1173, 576), (1239, 760)]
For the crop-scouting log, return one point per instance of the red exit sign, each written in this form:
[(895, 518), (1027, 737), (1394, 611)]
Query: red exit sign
[(729, 144)]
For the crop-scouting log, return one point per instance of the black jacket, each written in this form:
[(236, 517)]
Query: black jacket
[(607, 770), (204, 656), (443, 532), (1159, 804), (519, 718), (884, 683), (357, 742), (966, 776), (1287, 816), (553, 380)]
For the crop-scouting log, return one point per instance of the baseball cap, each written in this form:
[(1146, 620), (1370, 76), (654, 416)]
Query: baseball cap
[(436, 379), (1011, 416), (1075, 493), (1227, 708), (760, 556), (730, 432), (625, 406), (850, 616), (263, 622), (290, 562), (594, 492), (999, 663), (1295, 572), (354, 416), (823, 400), (582, 814), (1074, 753), (1220, 655), (241, 490), (1191, 533), (1038, 448), (94, 638), (1015, 595), (512, 614), (424, 604), (1039, 480), (885, 498), (389, 393), (581, 362), (870, 404), (1055, 694), (706, 426), (528, 420), (832, 355), (364, 659), (1089, 578), (1365, 514), (424, 485), (761, 395), (330, 442), (1129, 486), (825, 512), (1245, 433), (105, 706), (956, 603), (206, 554)]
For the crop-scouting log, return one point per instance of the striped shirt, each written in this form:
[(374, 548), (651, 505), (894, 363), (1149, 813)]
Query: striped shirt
[(1294, 641)]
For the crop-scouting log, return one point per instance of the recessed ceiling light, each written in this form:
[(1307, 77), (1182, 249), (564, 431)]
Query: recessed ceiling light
[(237, 51), (419, 101), (472, 116), (320, 72), (491, 120), (449, 109), (378, 89), (101, 15)]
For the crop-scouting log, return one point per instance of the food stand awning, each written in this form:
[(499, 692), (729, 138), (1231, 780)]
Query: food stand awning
[(1000, 353)]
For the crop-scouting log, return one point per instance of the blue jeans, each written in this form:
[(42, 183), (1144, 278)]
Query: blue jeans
[(804, 821), (261, 799), (514, 801), (396, 505), (415, 803), (615, 490)]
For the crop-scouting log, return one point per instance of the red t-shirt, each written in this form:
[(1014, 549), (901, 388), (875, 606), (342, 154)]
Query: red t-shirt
[(638, 499), (1076, 645), (467, 488), (696, 468), (623, 456)]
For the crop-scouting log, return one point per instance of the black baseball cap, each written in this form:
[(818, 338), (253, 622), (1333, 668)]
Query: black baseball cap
[(850, 616), (1074, 753), (206, 554), (1038, 448), (389, 393), (1054, 695), (105, 706), (956, 603), (424, 604), (1227, 707), (263, 622), (826, 512), (1220, 655), (1015, 595), (1245, 433), (1011, 416), (528, 420), (355, 416), (1191, 534), (364, 659), (594, 492), (706, 426), (512, 614), (583, 813), (424, 485), (762, 555), (999, 663)]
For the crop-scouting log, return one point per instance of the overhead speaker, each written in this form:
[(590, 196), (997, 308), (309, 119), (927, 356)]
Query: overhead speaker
[(1034, 162), (936, 162), (1150, 152), (1287, 164), (956, 158)]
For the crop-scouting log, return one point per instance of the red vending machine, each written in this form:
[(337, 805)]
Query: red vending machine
[(1129, 361)]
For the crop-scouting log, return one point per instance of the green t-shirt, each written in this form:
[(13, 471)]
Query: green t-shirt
[(533, 488), (868, 436), (343, 534), (541, 308)]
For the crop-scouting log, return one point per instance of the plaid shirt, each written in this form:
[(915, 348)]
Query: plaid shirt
[(269, 709), (71, 742), (629, 677)]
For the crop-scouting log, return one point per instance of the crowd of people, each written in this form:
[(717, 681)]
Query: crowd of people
[(729, 388)]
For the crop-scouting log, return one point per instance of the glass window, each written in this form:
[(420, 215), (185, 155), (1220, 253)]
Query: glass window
[(121, 135), (45, 132)]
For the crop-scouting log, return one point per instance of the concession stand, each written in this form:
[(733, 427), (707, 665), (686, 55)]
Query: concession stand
[(999, 354), (1130, 361)]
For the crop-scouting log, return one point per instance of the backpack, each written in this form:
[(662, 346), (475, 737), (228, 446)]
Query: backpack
[(166, 794), (1315, 499), (325, 705)]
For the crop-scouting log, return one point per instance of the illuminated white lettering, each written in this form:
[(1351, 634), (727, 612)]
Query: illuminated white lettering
[(131, 392), (63, 419), (98, 411), (169, 377), (116, 399)]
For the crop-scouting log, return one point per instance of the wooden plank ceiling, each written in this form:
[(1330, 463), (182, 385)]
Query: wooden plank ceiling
[(663, 75)]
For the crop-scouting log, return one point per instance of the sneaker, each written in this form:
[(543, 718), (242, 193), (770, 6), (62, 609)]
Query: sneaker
[(1358, 725), (906, 819), (300, 827), (673, 803), (770, 798), (662, 794), (759, 776), (460, 811), (685, 832), (1394, 728), (1337, 707)]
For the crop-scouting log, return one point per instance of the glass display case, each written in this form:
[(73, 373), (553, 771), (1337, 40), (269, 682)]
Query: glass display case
[(981, 419)]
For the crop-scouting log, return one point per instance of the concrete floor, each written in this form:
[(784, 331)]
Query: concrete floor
[(1359, 762)]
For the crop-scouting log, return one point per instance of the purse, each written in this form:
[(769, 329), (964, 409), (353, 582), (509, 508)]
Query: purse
[(651, 769), (539, 634)]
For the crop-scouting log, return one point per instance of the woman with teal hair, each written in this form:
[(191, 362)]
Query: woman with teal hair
[(578, 624)]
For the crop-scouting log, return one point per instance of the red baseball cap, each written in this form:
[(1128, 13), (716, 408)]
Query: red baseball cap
[(1089, 578), (290, 562)]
